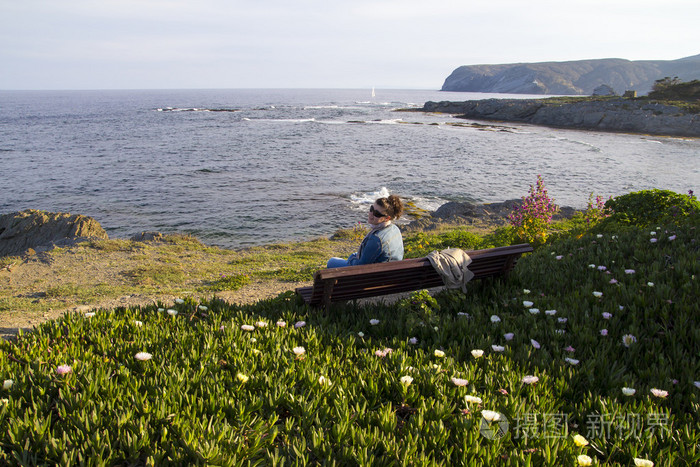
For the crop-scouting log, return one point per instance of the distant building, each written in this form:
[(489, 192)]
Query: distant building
[(630, 94)]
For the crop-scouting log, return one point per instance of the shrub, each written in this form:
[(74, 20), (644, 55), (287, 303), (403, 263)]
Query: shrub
[(643, 208)]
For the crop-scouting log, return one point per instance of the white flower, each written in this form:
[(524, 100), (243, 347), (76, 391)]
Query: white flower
[(63, 369), (476, 353), (138, 323), (299, 350), (461, 313), (323, 381), (161, 310), (460, 382), (697, 384), (653, 240), (584, 460), (509, 336), (598, 294), (90, 314), (248, 327), (659, 392), (413, 341), (650, 284), (439, 353), (281, 324), (592, 266), (202, 308), (580, 440), (628, 339), (560, 331), (526, 291), (242, 378), (562, 320), (559, 257), (621, 307), (256, 351), (252, 340), (406, 380), (495, 319), (498, 348), (629, 391), (490, 415), (629, 271), (435, 328), (143, 356), (7, 384), (373, 322), (472, 399), (261, 324), (652, 233), (529, 379), (534, 311), (606, 315), (550, 312), (643, 462), (172, 312), (672, 238), (527, 303), (361, 334), (572, 361), (534, 343), (300, 324), (599, 235), (179, 301)]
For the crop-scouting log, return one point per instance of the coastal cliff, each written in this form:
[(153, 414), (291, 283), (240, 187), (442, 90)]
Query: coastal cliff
[(607, 114), (578, 77)]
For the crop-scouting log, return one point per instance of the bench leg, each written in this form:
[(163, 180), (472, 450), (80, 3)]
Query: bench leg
[(328, 293)]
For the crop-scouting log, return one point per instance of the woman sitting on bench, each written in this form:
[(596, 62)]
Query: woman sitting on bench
[(383, 243)]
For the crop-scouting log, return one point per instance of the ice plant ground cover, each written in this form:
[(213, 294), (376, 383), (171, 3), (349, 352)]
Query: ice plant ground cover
[(215, 393)]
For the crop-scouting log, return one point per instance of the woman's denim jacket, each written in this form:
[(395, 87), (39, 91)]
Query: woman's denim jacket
[(380, 246)]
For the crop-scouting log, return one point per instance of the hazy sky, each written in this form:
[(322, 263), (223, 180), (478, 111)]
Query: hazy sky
[(410, 44)]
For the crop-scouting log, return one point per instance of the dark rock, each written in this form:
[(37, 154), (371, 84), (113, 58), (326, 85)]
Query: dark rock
[(602, 114), (41, 231), (464, 214)]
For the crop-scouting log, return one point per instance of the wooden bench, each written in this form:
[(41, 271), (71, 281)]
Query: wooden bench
[(373, 280)]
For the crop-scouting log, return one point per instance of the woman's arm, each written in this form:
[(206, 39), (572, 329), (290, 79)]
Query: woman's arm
[(370, 253)]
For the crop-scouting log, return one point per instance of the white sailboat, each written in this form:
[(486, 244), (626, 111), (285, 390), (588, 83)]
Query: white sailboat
[(373, 94)]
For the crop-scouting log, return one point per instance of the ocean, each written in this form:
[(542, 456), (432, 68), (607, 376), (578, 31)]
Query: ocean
[(237, 168)]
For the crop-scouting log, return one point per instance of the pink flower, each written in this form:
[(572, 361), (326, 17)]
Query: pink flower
[(603, 332), (672, 237), (607, 315), (653, 240), (570, 349), (629, 271), (63, 369), (300, 324), (530, 379), (613, 281), (534, 343)]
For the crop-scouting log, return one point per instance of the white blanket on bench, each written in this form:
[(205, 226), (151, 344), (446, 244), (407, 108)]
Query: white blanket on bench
[(452, 264)]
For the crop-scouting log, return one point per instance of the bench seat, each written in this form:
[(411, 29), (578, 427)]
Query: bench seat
[(373, 280)]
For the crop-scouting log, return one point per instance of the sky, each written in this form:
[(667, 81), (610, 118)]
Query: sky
[(391, 44)]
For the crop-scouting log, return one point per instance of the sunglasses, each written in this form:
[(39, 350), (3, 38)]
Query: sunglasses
[(376, 213)]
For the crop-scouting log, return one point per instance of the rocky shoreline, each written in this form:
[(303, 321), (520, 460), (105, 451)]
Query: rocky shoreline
[(626, 115)]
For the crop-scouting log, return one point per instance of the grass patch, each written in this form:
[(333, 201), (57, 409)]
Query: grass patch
[(156, 275), (228, 282)]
